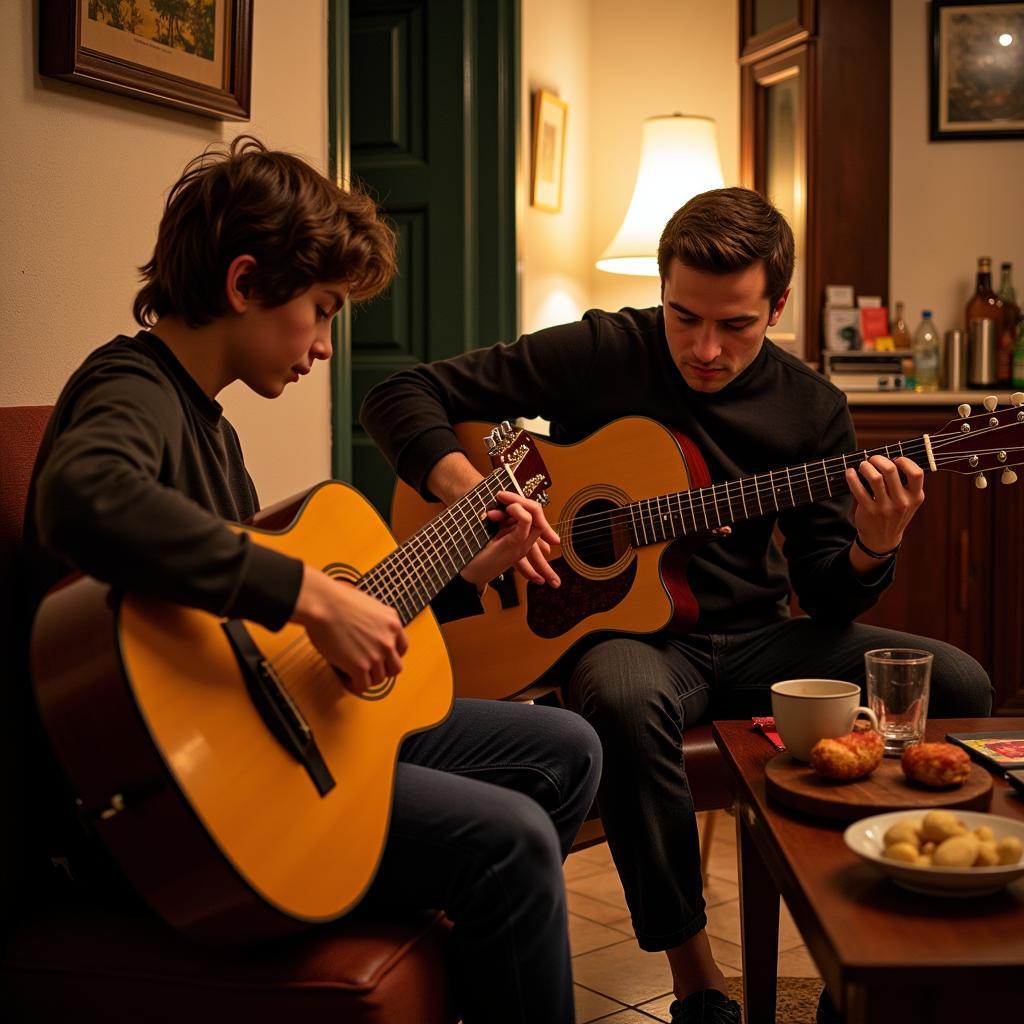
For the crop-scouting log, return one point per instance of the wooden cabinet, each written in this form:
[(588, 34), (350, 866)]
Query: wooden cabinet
[(959, 576), (814, 128)]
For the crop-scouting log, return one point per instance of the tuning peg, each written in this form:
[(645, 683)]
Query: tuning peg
[(1017, 398), (964, 410), (990, 403), (1008, 477), (544, 498), (490, 442), (980, 482), (506, 428)]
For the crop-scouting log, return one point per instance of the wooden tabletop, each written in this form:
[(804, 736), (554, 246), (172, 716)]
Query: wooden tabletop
[(883, 951)]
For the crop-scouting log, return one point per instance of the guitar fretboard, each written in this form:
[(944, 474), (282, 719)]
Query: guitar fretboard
[(417, 571), (700, 510)]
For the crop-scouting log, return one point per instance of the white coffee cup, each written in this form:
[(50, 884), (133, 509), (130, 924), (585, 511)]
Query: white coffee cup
[(808, 710)]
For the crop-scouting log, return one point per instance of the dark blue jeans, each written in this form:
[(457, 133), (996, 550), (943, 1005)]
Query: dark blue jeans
[(486, 808), (639, 694)]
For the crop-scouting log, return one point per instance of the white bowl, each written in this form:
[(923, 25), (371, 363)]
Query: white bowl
[(864, 837)]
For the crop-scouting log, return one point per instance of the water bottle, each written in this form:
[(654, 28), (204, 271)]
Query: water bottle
[(926, 354)]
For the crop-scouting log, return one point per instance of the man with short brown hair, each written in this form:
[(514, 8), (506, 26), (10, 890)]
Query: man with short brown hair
[(698, 363)]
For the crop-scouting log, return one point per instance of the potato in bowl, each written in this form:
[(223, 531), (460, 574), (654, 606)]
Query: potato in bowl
[(962, 870)]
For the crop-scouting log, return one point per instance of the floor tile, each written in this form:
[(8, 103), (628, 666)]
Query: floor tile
[(624, 972), (597, 910), (592, 1005), (797, 963), (658, 1008), (630, 1016), (604, 886), (586, 935), (578, 866), (719, 890), (724, 922)]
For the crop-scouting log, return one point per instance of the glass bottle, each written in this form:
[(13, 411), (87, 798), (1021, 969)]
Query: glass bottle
[(926, 354), (984, 304), (1017, 373), (1005, 346), (900, 331)]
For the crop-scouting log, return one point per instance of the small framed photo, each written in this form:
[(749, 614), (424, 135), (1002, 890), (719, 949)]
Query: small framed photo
[(549, 117), (195, 55), (977, 79)]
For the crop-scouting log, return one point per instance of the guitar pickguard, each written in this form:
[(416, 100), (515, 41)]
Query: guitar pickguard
[(552, 612)]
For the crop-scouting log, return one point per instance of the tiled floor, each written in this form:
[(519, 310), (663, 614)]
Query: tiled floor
[(616, 982)]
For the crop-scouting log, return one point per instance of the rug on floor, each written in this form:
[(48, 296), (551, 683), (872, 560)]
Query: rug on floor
[(796, 999)]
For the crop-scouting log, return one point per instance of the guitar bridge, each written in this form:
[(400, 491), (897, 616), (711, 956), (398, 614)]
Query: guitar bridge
[(275, 706)]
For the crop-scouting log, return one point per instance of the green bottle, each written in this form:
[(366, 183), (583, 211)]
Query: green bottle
[(1017, 374)]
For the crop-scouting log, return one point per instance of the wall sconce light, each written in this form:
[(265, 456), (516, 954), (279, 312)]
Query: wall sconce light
[(678, 160)]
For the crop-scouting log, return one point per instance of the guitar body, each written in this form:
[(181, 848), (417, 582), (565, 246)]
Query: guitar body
[(607, 584), (216, 823)]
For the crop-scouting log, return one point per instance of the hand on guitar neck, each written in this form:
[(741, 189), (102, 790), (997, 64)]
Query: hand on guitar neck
[(887, 494), (524, 536)]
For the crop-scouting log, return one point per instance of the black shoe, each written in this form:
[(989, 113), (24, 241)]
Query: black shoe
[(707, 1007), (827, 1012)]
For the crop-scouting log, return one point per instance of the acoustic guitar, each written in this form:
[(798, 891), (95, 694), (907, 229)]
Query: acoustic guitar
[(239, 784), (623, 495)]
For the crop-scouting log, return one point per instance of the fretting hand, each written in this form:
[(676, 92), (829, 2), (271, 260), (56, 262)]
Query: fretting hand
[(887, 495), (523, 540)]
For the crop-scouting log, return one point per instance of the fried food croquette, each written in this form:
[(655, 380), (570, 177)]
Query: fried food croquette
[(848, 757), (936, 764)]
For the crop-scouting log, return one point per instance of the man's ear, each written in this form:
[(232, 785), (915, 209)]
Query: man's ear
[(238, 283), (773, 317)]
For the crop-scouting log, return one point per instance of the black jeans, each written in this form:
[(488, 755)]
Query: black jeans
[(486, 808), (639, 694)]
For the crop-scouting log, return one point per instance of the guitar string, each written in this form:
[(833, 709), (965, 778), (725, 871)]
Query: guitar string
[(720, 492), (386, 566), (382, 575)]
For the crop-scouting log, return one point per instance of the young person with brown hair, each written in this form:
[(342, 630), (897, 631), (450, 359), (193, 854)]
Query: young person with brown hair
[(139, 471), (699, 363)]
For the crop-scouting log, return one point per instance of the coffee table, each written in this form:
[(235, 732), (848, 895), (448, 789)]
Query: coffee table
[(885, 954)]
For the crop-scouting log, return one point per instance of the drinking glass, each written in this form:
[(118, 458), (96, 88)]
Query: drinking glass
[(898, 682)]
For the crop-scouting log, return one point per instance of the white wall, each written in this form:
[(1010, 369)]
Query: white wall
[(952, 201), (83, 177)]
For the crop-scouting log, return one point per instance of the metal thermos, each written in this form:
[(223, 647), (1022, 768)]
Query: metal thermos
[(953, 371), (981, 353)]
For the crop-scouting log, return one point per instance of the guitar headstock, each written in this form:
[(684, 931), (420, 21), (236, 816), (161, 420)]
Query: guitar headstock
[(992, 440), (516, 450)]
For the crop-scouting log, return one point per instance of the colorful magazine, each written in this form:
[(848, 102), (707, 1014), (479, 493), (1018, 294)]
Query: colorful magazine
[(993, 749)]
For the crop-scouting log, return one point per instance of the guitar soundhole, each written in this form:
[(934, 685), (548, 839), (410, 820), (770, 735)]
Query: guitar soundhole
[(599, 537)]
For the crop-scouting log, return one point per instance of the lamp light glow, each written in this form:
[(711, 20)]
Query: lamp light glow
[(678, 160)]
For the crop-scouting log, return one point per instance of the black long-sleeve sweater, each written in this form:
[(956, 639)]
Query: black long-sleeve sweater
[(581, 376)]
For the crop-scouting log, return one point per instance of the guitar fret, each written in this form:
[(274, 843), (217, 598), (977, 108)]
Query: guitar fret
[(704, 509), (789, 484), (732, 516), (810, 490), (824, 470), (679, 505), (636, 533)]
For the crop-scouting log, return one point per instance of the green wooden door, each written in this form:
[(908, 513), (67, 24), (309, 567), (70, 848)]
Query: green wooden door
[(432, 89)]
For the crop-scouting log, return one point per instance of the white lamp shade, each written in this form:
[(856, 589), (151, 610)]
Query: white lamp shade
[(678, 160)]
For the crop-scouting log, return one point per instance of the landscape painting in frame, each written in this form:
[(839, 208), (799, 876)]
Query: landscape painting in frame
[(977, 70), (191, 54)]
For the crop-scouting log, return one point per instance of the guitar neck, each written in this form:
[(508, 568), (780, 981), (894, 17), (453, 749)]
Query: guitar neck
[(700, 510), (419, 569)]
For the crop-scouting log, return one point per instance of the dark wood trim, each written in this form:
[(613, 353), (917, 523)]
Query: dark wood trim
[(339, 158), (61, 55), (796, 30)]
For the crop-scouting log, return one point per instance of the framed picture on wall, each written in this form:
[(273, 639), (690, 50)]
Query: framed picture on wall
[(977, 79), (549, 118), (195, 55)]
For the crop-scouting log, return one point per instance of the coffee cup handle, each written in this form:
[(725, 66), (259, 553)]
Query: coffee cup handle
[(873, 718)]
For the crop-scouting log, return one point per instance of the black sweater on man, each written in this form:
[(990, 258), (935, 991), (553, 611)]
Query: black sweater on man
[(776, 413)]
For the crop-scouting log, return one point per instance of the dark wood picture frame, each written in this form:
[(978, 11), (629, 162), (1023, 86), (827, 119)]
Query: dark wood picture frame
[(63, 55), (1001, 78)]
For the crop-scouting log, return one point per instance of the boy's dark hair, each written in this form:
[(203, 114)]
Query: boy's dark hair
[(300, 227), (729, 229)]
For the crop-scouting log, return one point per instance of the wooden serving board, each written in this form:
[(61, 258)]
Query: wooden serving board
[(797, 785)]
